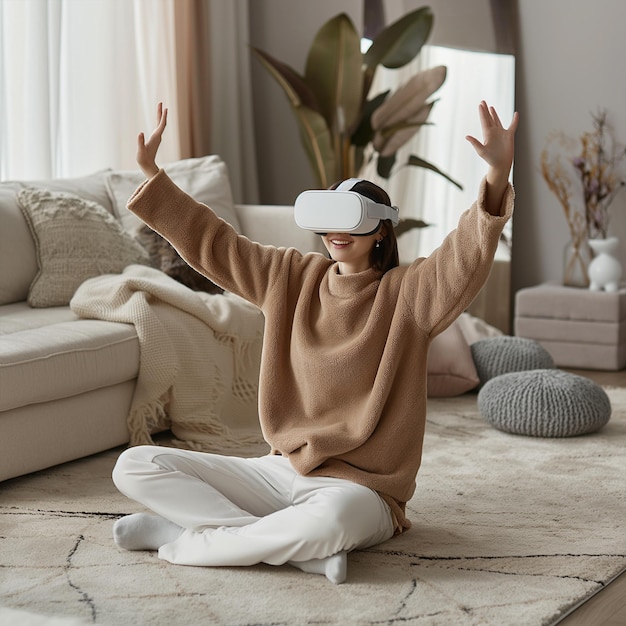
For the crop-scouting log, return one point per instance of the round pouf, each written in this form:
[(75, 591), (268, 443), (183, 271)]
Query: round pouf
[(544, 403), (494, 356)]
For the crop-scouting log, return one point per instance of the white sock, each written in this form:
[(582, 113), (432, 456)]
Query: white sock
[(334, 567), (142, 531)]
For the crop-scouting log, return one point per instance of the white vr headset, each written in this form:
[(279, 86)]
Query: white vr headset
[(341, 211)]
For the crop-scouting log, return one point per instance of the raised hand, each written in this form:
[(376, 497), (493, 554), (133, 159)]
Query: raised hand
[(498, 142), (497, 150), (147, 150)]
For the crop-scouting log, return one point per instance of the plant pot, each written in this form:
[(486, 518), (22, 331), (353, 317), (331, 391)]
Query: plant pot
[(605, 270)]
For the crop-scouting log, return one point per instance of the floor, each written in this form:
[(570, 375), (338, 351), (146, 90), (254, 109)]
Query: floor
[(608, 607)]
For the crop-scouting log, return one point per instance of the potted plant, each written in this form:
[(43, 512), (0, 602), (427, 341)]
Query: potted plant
[(341, 125)]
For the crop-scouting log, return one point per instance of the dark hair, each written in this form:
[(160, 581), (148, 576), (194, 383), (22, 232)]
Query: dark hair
[(384, 257)]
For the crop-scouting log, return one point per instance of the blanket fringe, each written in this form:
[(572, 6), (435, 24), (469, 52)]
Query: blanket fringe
[(146, 419), (206, 435), (185, 340), (246, 446), (211, 435)]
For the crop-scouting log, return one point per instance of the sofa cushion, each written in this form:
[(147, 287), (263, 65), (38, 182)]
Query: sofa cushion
[(90, 354), (75, 239), (18, 316), (203, 178), (16, 242)]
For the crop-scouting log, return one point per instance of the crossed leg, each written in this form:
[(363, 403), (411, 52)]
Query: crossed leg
[(214, 510)]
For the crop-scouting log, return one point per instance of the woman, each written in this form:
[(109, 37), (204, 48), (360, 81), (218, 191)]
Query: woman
[(342, 389)]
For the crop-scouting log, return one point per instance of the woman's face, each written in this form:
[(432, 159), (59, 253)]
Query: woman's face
[(352, 253)]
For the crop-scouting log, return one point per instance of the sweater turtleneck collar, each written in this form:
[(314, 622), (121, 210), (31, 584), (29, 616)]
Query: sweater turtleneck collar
[(347, 285)]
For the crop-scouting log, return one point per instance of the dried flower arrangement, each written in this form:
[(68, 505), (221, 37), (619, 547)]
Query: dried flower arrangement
[(597, 168)]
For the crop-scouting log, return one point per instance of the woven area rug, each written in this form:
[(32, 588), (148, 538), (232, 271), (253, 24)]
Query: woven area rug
[(507, 530)]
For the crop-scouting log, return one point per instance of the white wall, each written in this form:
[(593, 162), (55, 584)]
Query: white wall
[(570, 62)]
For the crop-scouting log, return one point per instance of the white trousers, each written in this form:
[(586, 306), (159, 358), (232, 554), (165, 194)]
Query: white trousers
[(237, 511)]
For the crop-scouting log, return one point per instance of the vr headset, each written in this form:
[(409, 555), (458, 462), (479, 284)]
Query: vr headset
[(341, 211)]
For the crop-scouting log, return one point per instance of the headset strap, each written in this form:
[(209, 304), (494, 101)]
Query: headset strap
[(347, 184), (380, 210)]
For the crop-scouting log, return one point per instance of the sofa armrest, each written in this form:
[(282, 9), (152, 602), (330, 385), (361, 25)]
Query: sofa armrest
[(272, 224)]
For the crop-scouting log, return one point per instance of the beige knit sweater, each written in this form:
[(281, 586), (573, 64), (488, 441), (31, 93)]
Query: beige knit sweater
[(342, 388)]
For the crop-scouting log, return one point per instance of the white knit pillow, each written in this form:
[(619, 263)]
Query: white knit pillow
[(75, 239), (205, 179)]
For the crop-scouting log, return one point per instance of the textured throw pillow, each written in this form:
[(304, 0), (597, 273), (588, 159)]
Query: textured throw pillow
[(17, 243), (75, 240), (164, 257), (451, 370), (205, 179)]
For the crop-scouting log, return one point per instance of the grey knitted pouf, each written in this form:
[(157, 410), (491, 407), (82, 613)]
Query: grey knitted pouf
[(544, 403), (494, 356)]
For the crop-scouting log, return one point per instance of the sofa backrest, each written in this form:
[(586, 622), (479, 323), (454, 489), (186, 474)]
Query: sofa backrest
[(274, 225), (204, 178)]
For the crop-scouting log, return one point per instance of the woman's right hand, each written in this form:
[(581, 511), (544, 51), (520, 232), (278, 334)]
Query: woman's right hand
[(147, 150)]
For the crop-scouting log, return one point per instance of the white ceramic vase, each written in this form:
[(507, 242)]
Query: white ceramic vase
[(605, 270)]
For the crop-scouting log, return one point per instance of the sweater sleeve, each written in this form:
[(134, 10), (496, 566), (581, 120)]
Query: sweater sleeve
[(208, 243), (440, 287)]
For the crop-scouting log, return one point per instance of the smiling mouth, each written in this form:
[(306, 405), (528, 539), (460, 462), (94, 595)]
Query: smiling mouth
[(340, 243)]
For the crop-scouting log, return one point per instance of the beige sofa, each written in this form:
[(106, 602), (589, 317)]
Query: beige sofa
[(67, 383)]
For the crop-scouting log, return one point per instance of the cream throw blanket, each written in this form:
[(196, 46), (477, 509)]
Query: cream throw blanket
[(200, 356)]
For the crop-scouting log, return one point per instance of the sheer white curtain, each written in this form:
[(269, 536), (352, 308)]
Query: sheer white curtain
[(72, 98), (80, 78)]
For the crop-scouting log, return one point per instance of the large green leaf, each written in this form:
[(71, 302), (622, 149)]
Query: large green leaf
[(334, 73), (318, 145), (364, 132), (292, 83), (405, 225), (419, 162), (359, 159), (384, 165), (314, 132), (398, 44)]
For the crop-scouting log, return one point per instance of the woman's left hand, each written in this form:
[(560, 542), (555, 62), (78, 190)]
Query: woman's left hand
[(498, 144), (497, 150)]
